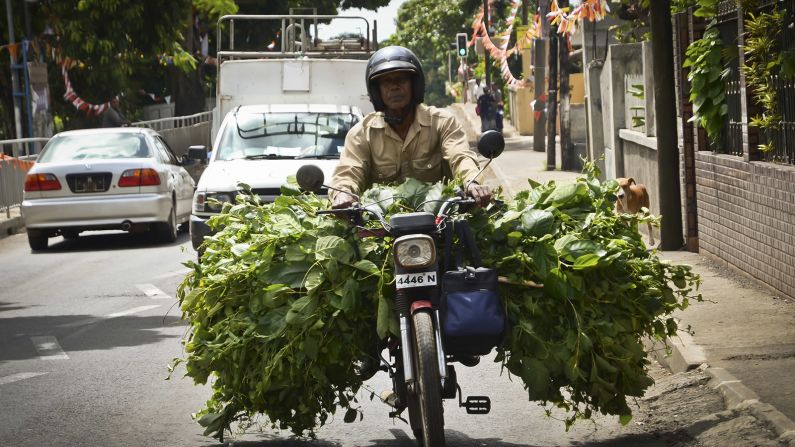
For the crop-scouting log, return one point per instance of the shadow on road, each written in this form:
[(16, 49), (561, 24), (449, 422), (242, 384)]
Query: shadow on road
[(459, 439), (81, 332), (7, 307), (109, 241)]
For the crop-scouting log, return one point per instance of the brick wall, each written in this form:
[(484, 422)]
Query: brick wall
[(746, 216)]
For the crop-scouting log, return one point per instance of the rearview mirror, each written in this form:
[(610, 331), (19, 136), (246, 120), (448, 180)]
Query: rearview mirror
[(198, 153), (310, 178), (491, 144)]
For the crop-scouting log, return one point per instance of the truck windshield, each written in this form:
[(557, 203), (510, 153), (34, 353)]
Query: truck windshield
[(285, 135)]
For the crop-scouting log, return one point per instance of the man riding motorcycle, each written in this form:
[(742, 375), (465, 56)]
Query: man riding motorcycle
[(403, 138)]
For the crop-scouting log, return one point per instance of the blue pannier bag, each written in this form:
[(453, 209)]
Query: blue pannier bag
[(473, 318)]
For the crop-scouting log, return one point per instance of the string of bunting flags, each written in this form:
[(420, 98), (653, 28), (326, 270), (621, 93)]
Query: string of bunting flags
[(564, 18), (71, 96)]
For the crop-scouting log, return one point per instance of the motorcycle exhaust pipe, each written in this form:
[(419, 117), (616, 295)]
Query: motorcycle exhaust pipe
[(126, 225)]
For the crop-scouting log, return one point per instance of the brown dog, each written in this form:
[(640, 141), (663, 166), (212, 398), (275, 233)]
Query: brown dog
[(632, 197)]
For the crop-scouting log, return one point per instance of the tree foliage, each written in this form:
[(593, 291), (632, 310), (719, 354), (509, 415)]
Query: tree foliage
[(428, 27)]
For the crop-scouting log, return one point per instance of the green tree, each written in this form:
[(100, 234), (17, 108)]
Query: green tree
[(428, 27)]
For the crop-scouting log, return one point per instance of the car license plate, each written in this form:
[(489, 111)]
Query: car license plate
[(420, 279), (89, 184)]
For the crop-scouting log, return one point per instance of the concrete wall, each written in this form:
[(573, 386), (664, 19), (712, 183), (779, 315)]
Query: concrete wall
[(746, 216), (621, 60), (640, 163)]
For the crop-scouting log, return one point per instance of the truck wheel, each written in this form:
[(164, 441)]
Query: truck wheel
[(37, 239)]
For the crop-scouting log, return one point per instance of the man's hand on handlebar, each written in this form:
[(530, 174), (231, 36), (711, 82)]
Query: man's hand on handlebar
[(481, 194), (343, 200)]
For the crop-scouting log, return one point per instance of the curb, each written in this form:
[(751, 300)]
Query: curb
[(11, 226)]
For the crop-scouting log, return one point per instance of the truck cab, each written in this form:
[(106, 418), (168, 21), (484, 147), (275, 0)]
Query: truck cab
[(278, 109)]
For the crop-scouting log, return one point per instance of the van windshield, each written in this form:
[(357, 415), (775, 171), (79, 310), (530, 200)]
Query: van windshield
[(285, 135)]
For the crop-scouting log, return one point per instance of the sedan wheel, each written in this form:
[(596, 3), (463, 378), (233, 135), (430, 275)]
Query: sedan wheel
[(37, 240), (166, 232)]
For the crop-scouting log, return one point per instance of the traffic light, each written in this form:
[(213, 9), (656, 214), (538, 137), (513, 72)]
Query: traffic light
[(461, 44)]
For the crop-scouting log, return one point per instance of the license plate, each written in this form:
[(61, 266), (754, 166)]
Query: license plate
[(89, 184), (420, 279)]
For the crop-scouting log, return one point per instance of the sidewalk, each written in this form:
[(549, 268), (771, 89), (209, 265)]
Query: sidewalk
[(743, 331)]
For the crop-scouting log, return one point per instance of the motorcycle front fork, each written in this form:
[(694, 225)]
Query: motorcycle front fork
[(407, 358)]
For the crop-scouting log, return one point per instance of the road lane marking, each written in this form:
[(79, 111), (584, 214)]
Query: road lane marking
[(134, 310), (48, 348), (19, 376), (152, 291)]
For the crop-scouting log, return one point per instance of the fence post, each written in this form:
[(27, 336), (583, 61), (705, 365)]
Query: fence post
[(682, 41), (750, 135)]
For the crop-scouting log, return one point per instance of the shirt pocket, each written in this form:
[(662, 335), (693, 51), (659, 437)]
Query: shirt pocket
[(385, 172), (428, 168)]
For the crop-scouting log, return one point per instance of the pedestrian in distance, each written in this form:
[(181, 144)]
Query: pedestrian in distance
[(487, 109), (112, 117), (499, 107), (477, 90), (403, 138)]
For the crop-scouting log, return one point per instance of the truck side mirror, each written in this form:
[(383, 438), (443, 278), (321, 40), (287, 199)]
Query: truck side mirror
[(491, 144), (198, 153)]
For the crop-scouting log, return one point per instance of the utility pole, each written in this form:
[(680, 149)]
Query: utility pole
[(14, 75), (539, 75), (487, 76), (567, 161), (552, 93), (665, 118)]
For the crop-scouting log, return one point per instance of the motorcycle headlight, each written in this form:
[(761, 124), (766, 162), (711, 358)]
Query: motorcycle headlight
[(415, 251), (210, 201)]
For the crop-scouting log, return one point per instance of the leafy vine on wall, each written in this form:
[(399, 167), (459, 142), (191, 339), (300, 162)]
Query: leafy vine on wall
[(707, 87), (763, 64)]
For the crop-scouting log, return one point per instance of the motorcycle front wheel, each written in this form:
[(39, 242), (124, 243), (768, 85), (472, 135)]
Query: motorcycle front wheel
[(429, 387)]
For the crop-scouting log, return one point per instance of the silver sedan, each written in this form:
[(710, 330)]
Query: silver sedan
[(106, 179)]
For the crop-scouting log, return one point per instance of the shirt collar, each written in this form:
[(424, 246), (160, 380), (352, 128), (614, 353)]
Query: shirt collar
[(422, 115)]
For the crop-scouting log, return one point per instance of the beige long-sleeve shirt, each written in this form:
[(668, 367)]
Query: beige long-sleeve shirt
[(435, 147)]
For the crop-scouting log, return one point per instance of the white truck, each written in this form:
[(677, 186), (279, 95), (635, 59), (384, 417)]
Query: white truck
[(278, 109)]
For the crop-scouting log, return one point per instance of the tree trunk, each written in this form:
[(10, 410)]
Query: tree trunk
[(187, 91), (665, 117)]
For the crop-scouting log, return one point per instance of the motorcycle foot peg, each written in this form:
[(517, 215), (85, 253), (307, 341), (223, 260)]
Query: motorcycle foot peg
[(477, 405)]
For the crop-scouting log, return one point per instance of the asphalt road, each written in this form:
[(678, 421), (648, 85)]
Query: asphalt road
[(88, 328)]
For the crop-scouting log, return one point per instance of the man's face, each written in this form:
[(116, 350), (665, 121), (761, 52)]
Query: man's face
[(395, 89)]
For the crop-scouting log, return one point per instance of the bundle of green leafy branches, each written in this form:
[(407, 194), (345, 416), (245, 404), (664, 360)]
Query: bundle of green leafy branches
[(282, 304)]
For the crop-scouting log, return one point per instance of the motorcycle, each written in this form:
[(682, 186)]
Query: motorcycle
[(428, 304)]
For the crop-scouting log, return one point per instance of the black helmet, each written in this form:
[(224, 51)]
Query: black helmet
[(394, 58)]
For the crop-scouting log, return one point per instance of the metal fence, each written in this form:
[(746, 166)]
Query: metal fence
[(12, 177), (731, 137), (783, 138)]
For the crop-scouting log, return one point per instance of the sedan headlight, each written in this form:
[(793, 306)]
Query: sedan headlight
[(208, 202), (415, 251)]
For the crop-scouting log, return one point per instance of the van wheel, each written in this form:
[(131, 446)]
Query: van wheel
[(37, 239)]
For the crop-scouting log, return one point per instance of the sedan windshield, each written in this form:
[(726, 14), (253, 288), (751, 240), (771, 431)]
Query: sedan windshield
[(94, 146), (285, 135)]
